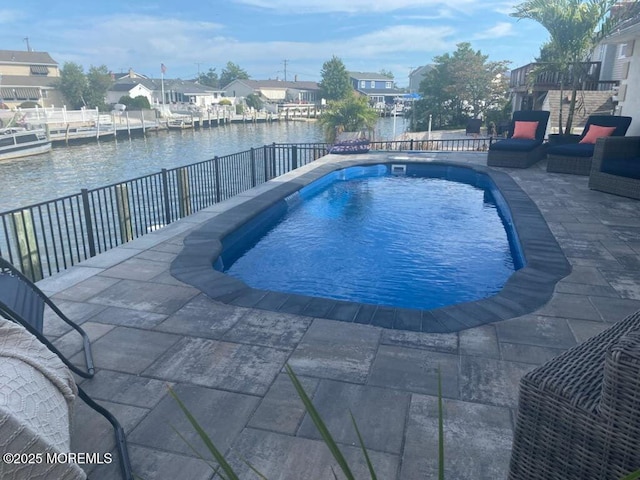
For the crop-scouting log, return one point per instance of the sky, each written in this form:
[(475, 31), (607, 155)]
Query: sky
[(270, 39)]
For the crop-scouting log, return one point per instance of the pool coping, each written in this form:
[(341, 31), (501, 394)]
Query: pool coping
[(525, 291)]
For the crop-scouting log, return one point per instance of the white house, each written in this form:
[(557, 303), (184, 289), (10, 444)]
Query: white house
[(625, 42), (275, 91), (133, 90)]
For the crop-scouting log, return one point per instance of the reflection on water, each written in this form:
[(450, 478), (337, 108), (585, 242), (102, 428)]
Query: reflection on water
[(66, 170)]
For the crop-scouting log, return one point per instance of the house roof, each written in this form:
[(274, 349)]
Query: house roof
[(21, 56), (275, 84), (421, 71), (626, 31), (185, 87), (381, 91), (369, 76), (28, 81)]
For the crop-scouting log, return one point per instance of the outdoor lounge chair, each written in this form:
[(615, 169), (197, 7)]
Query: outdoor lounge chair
[(351, 142), (22, 302), (579, 414), (616, 166), (575, 157), (523, 146)]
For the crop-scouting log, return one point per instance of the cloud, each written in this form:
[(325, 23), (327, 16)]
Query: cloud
[(502, 29), (348, 6), (9, 16)]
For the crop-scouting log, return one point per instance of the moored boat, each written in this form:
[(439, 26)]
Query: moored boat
[(20, 142)]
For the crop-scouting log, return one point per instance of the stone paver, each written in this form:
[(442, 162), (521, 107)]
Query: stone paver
[(226, 361)]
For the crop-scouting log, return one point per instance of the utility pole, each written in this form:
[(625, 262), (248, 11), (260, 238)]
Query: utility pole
[(198, 63), (285, 69), (26, 39)]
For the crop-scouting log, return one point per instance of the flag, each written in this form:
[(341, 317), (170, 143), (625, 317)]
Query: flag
[(163, 69)]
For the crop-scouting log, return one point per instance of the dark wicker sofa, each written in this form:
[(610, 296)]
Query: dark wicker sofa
[(616, 166), (512, 152), (579, 414), (575, 157)]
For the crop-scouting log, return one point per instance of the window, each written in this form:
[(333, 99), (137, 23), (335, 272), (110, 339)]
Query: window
[(373, 84), (388, 85), (363, 84), (39, 70)]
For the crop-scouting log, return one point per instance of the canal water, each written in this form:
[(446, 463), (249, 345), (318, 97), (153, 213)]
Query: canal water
[(67, 169)]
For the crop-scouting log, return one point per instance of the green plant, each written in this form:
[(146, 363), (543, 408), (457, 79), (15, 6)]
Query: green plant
[(632, 476), (352, 114), (226, 471)]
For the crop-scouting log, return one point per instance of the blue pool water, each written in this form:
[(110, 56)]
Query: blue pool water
[(420, 240)]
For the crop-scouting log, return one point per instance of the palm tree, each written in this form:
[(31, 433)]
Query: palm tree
[(352, 114), (575, 27)]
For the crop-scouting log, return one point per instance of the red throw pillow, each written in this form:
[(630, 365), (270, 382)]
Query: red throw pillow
[(595, 132), (525, 130)]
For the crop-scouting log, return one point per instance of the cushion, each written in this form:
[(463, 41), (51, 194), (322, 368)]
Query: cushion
[(572, 150), (622, 167), (515, 145), (595, 132), (525, 130)]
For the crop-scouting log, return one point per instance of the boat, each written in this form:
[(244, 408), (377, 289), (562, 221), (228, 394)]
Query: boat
[(179, 123), (16, 142)]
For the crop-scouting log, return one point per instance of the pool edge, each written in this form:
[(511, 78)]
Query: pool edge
[(526, 290)]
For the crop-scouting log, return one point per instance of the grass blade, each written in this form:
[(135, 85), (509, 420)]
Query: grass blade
[(215, 468), (632, 476), (322, 428), (226, 468), (372, 472)]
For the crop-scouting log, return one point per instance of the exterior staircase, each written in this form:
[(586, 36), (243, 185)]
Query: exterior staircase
[(587, 103)]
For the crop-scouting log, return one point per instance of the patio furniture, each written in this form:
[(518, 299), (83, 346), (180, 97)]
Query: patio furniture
[(37, 396), (524, 144), (575, 157), (22, 302), (579, 414), (473, 126), (616, 166), (351, 142)]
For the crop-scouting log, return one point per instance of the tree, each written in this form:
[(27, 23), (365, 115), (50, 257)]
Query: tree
[(461, 85), (254, 101), (232, 72), (386, 73), (73, 84), (335, 83), (138, 103), (351, 114), (98, 82), (575, 27), (209, 79)]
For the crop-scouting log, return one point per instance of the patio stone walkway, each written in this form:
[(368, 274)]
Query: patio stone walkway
[(226, 363)]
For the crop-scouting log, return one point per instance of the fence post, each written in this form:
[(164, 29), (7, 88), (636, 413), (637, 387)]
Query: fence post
[(165, 197), (411, 145), (27, 246), (254, 180), (294, 157), (86, 208), (124, 213), (184, 194), (265, 156), (274, 171), (216, 163)]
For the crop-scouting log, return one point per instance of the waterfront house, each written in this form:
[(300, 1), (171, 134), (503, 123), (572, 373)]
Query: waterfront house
[(27, 76), (275, 91), (379, 88), (417, 76), (610, 82), (176, 91)]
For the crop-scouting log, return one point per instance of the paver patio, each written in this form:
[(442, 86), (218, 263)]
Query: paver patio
[(149, 330)]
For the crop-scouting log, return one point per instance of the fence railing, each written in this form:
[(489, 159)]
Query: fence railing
[(49, 237)]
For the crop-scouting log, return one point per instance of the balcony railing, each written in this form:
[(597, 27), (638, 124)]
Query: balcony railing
[(535, 77)]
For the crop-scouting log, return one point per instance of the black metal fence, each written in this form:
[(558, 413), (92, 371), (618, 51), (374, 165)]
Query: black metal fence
[(48, 237)]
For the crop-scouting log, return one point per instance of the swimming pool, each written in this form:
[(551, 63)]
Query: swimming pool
[(527, 289), (423, 237)]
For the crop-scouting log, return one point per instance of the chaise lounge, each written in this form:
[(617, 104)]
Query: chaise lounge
[(575, 157), (616, 166), (524, 144)]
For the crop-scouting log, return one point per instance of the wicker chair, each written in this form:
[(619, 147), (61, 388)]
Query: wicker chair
[(616, 166), (518, 153), (575, 157), (579, 414)]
